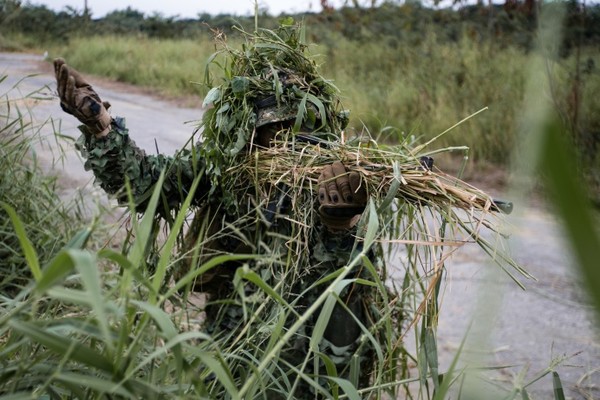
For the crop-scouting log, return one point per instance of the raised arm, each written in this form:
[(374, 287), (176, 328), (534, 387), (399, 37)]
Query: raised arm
[(113, 156)]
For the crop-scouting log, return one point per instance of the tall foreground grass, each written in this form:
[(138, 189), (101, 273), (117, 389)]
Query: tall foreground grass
[(95, 324), (49, 222)]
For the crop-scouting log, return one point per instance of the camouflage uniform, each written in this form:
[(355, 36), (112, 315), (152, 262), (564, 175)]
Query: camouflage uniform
[(115, 158)]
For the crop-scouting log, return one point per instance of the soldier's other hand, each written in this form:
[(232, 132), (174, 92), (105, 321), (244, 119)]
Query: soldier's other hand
[(78, 98), (342, 197)]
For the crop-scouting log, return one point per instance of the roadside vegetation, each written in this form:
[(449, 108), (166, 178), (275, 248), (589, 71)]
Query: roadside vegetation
[(27, 193), (86, 321)]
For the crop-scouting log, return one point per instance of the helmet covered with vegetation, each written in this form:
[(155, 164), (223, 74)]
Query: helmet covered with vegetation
[(270, 79)]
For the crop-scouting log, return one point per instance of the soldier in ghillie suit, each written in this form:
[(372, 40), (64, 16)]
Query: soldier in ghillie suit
[(272, 98)]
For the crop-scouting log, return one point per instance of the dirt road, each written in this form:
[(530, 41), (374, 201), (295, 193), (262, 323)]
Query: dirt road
[(509, 326)]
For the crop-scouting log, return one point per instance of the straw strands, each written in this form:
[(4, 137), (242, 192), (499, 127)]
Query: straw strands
[(388, 173)]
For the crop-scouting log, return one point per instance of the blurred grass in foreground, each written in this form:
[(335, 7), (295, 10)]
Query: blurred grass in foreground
[(544, 156)]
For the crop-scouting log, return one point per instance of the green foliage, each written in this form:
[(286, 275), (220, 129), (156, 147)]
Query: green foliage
[(271, 67), (390, 83), (123, 21), (509, 24), (44, 24), (171, 67), (477, 54), (109, 332), (29, 199)]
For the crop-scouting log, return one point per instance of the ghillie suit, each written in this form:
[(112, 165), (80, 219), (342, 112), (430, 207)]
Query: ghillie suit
[(277, 181)]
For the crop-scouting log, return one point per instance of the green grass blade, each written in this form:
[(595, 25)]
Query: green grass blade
[(347, 387), (26, 246), (97, 384), (372, 225), (127, 265), (177, 340), (144, 229), (78, 297), (207, 266), (572, 204), (79, 240), (219, 368), (18, 396), (161, 268), (58, 268), (393, 190), (559, 394), (159, 316), (319, 329), (247, 274), (442, 391), (432, 356), (63, 346), (87, 266)]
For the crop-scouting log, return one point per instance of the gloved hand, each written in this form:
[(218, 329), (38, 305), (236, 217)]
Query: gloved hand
[(79, 99), (342, 197)]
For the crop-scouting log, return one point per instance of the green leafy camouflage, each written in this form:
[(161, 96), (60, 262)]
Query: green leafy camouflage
[(269, 79)]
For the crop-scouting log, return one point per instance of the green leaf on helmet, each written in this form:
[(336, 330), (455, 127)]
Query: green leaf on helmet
[(301, 113), (240, 85), (320, 106), (240, 142), (213, 95), (223, 108), (311, 119)]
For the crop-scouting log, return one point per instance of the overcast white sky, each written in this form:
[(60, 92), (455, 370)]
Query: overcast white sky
[(188, 8)]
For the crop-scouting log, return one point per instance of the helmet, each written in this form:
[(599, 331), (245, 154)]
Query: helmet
[(269, 109), (274, 113), (269, 112)]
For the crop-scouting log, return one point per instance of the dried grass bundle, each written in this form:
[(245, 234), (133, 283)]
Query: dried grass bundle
[(388, 173), (392, 174)]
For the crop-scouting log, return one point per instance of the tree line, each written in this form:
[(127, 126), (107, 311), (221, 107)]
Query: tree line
[(512, 23)]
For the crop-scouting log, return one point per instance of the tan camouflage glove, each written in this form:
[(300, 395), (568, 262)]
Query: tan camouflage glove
[(342, 197), (78, 98)]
